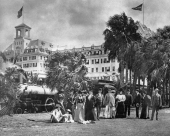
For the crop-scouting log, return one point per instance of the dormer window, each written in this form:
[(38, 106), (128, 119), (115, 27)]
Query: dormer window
[(26, 33), (42, 43)]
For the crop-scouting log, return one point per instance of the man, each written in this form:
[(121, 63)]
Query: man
[(156, 103), (57, 116), (109, 102), (137, 102), (128, 103), (99, 100)]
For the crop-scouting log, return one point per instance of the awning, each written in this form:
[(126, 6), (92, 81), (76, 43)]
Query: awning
[(96, 74), (42, 76)]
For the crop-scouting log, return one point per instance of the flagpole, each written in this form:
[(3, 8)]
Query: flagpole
[(143, 12), (23, 14)]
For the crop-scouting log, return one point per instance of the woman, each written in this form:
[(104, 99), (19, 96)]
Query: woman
[(89, 107), (144, 106), (120, 98), (79, 111)]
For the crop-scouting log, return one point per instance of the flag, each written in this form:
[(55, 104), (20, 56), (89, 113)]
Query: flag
[(20, 13), (138, 7)]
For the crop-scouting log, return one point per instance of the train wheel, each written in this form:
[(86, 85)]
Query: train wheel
[(19, 111), (49, 104)]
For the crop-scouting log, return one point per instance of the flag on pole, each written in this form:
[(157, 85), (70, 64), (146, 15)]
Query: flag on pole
[(138, 7), (20, 13)]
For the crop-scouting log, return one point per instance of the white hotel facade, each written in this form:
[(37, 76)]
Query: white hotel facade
[(33, 53), (99, 67)]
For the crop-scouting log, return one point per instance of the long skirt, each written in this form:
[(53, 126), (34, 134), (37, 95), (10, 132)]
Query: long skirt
[(79, 113), (109, 111), (144, 112), (120, 110), (90, 114)]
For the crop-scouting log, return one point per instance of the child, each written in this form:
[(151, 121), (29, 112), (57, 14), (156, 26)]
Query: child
[(57, 116), (68, 117)]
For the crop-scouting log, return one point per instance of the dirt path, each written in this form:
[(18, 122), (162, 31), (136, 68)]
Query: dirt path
[(21, 125)]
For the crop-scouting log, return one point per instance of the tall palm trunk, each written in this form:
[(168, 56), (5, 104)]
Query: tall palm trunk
[(139, 82), (134, 82), (166, 87), (163, 93), (143, 83), (126, 76), (169, 92), (122, 74), (130, 78)]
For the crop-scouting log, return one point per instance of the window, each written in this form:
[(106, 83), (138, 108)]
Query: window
[(92, 61), (96, 69), (34, 64), (108, 61), (24, 58), (105, 69), (101, 60), (87, 62), (41, 57), (96, 61), (105, 60), (33, 57), (113, 68), (108, 68), (113, 60), (30, 64), (102, 69), (92, 70)]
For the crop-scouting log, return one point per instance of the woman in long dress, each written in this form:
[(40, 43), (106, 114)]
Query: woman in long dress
[(79, 110), (146, 100), (120, 110), (90, 114)]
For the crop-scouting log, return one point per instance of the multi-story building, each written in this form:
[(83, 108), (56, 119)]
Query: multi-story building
[(99, 67), (30, 54)]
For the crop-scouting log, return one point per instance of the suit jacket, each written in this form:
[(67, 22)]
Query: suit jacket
[(128, 100), (137, 99), (156, 100)]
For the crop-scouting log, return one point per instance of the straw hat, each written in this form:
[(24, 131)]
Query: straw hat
[(57, 106)]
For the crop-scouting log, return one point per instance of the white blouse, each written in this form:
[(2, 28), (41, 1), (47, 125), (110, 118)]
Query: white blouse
[(121, 97)]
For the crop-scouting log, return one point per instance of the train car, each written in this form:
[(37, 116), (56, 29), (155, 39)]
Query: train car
[(34, 98)]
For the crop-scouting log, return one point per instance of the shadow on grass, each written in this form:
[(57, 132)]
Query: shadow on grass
[(43, 121)]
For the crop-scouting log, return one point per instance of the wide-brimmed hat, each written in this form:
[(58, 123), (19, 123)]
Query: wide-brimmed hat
[(57, 106), (83, 91), (68, 110), (113, 91)]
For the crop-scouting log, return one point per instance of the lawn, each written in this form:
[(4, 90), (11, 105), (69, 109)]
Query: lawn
[(39, 125)]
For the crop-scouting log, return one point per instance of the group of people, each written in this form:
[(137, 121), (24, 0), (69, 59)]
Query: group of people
[(85, 107)]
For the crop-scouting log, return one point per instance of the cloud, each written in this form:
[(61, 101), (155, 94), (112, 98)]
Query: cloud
[(74, 22), (155, 12)]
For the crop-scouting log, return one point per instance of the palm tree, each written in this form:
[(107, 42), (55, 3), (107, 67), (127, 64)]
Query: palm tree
[(120, 33), (66, 71)]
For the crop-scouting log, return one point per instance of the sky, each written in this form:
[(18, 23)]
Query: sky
[(75, 23)]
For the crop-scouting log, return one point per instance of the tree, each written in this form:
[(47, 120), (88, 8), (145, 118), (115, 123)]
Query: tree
[(120, 33), (66, 70)]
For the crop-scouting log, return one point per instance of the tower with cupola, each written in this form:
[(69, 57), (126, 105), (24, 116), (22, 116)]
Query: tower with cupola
[(22, 38)]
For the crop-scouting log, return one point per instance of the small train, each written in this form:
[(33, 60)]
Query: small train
[(33, 99)]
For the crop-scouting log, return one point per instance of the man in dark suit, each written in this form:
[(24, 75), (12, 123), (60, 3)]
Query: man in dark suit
[(137, 102), (128, 103)]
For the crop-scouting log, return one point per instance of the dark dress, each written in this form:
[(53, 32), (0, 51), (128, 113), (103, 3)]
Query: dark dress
[(120, 110), (145, 105), (89, 109)]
